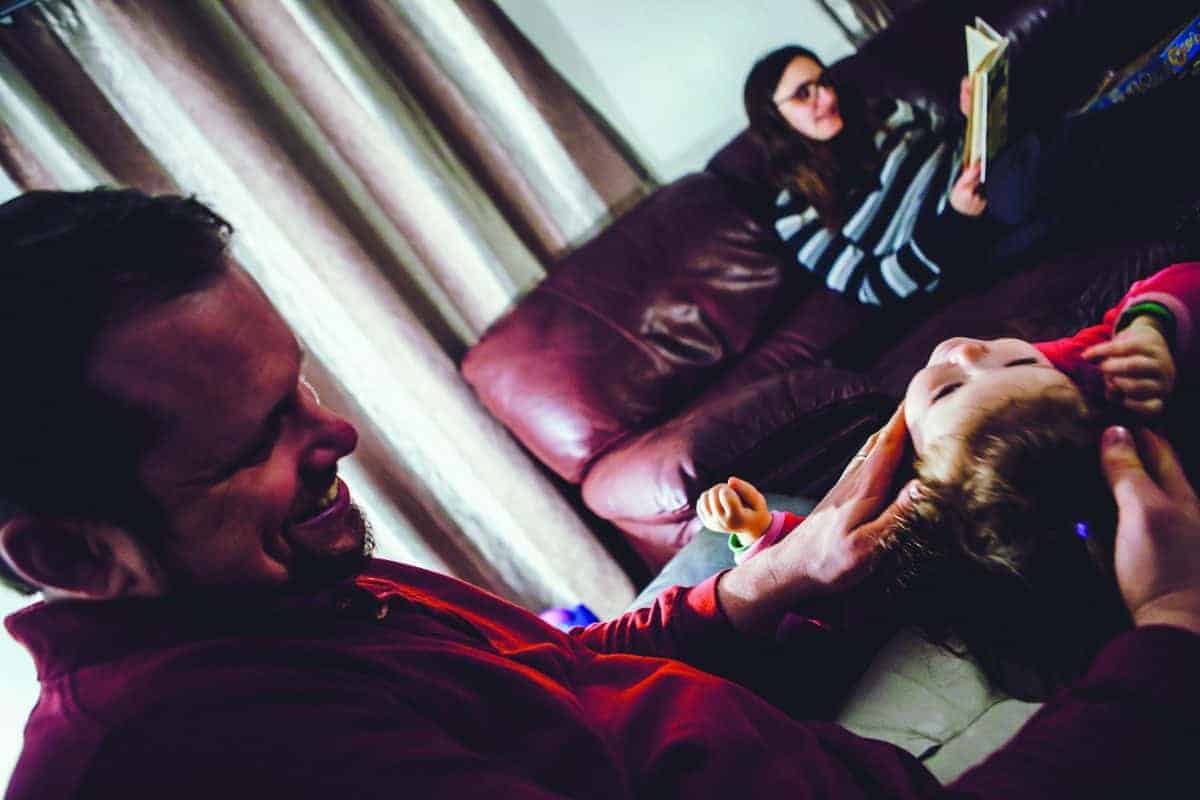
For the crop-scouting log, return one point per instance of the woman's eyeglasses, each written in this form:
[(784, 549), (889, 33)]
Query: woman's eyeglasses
[(807, 91)]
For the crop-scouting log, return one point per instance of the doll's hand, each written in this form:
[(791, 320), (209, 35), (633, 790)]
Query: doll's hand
[(965, 196), (1139, 372), (734, 507)]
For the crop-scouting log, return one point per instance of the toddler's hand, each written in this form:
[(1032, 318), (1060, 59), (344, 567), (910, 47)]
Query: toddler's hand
[(734, 507), (1139, 372)]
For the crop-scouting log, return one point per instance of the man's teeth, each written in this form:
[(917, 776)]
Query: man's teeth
[(327, 499)]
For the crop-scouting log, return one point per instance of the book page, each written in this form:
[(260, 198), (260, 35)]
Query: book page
[(987, 122), (978, 48), (988, 30), (996, 108), (976, 144)]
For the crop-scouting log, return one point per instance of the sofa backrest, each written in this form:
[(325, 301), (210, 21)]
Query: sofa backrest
[(627, 328)]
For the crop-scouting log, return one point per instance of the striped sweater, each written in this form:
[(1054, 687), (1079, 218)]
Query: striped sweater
[(904, 234)]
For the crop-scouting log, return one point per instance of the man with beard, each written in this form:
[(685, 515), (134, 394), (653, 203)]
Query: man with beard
[(212, 622)]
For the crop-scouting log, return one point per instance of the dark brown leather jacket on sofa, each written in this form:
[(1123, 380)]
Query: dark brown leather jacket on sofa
[(676, 348)]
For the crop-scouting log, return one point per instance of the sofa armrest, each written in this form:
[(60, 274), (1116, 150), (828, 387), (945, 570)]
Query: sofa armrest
[(792, 433)]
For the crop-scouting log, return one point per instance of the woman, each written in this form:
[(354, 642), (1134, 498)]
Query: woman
[(871, 201)]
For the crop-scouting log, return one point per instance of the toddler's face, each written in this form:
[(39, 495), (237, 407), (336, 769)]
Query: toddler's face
[(966, 377)]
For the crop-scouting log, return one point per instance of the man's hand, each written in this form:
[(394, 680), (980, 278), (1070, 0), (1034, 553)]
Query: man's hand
[(1157, 555), (834, 547), (965, 197), (735, 507), (1139, 372)]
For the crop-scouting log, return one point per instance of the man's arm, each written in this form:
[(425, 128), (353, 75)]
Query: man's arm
[(836, 545), (317, 745), (1129, 728), (727, 624)]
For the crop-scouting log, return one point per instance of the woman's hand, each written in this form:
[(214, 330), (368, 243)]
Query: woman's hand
[(964, 96), (834, 547), (735, 507), (1138, 370), (965, 197)]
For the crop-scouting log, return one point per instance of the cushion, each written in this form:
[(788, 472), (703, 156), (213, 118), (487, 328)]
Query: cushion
[(936, 705), (625, 329)]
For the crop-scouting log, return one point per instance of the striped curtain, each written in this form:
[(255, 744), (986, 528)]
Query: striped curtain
[(398, 172)]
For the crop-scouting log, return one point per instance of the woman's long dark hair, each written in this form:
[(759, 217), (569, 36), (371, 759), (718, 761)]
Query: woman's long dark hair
[(831, 175)]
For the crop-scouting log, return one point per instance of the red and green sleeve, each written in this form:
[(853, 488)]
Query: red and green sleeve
[(1171, 295)]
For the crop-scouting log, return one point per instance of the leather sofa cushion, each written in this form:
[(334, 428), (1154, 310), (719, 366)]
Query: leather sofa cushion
[(624, 331)]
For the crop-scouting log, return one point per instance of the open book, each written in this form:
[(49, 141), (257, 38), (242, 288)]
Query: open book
[(987, 122)]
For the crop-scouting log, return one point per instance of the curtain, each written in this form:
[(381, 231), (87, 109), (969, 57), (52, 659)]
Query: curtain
[(398, 172), (859, 20)]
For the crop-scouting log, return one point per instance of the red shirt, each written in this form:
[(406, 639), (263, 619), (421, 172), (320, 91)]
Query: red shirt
[(412, 684), (1176, 288)]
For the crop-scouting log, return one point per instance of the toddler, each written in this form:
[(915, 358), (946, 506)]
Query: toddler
[(1007, 549)]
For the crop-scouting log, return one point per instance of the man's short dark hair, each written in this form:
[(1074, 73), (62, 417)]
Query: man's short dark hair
[(70, 264)]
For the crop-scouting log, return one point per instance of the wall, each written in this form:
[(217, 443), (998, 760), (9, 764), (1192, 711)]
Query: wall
[(667, 74), (18, 688)]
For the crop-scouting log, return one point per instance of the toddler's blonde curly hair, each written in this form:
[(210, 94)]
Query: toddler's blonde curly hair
[(1008, 551)]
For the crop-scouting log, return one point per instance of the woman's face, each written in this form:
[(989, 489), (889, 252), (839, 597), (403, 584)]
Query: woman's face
[(965, 377), (807, 101)]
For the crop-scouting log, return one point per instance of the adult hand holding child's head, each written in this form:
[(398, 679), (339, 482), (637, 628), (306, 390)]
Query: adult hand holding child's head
[(843, 536), (836, 545), (1157, 554)]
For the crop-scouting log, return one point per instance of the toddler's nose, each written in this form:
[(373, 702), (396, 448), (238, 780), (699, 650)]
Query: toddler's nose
[(968, 352)]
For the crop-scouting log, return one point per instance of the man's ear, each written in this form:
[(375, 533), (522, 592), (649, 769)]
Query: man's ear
[(78, 560)]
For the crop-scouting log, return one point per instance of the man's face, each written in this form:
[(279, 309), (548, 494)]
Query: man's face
[(245, 472)]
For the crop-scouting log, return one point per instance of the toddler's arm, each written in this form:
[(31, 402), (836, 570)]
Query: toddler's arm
[(1138, 370), (1155, 338)]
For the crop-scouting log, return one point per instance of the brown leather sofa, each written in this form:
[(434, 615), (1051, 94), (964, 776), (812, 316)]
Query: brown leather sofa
[(676, 348)]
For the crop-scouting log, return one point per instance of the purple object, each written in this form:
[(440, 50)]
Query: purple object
[(569, 617)]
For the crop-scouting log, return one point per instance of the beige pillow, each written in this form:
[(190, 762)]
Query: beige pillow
[(935, 705)]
